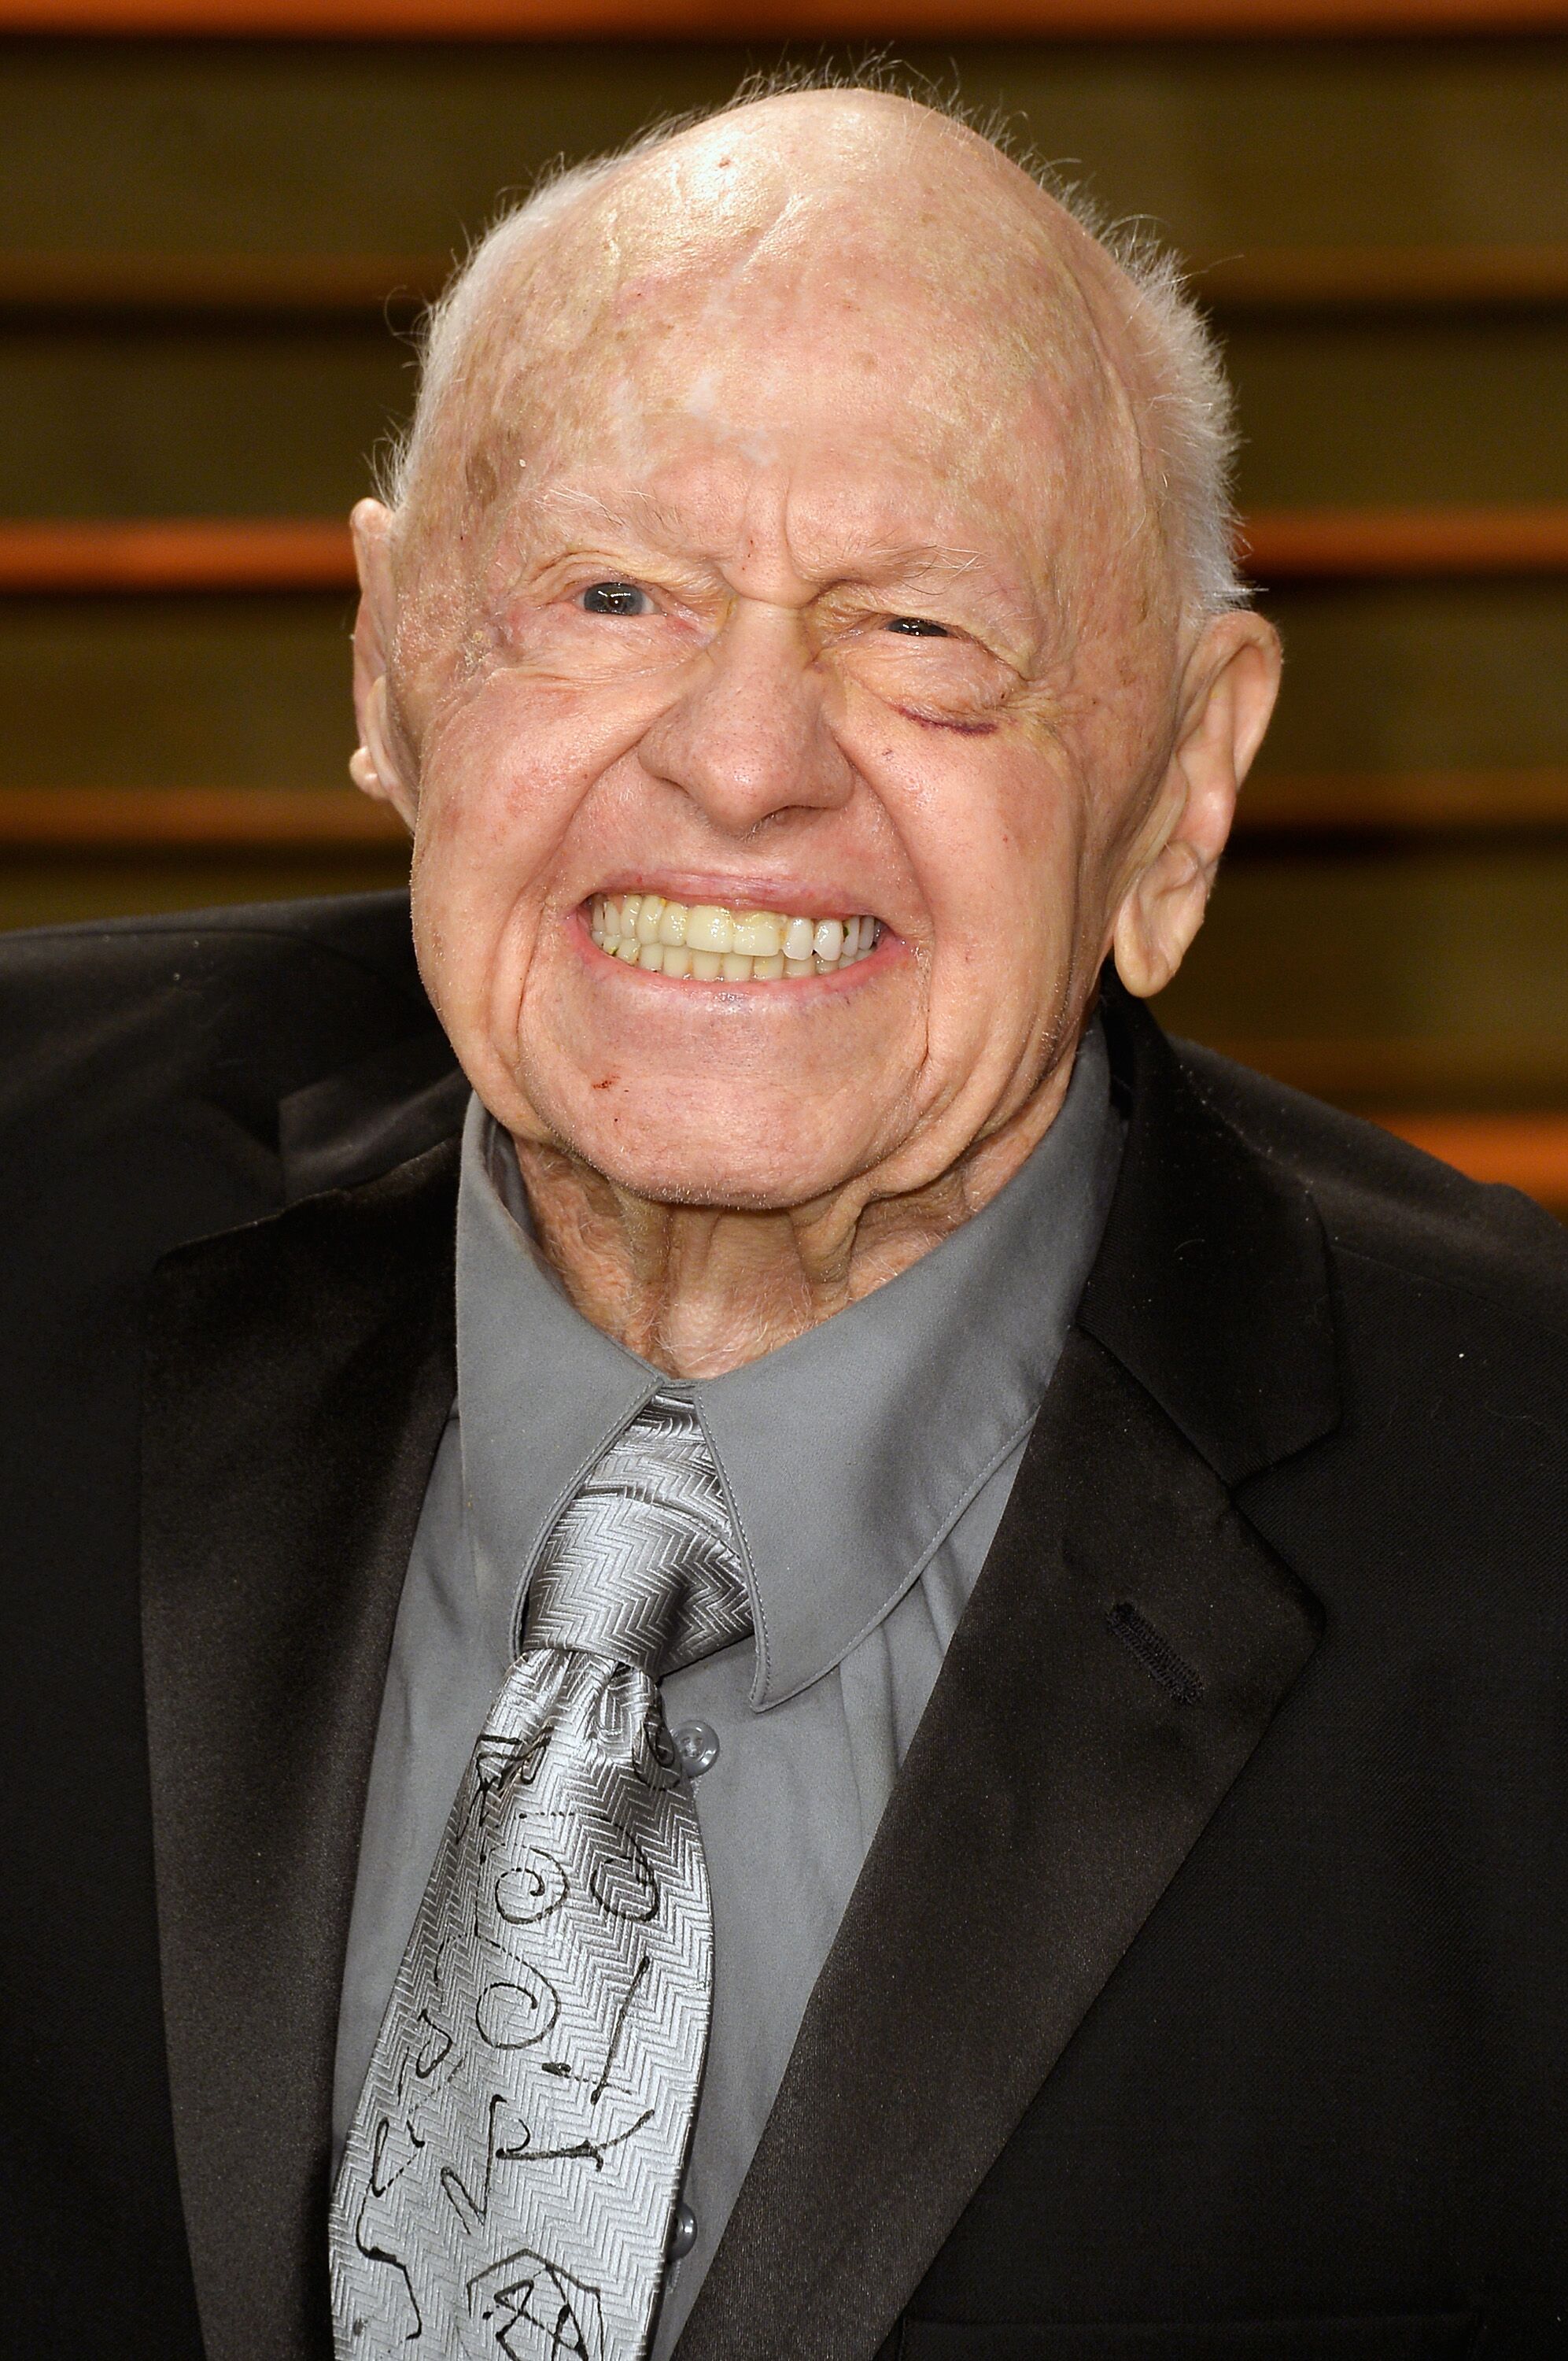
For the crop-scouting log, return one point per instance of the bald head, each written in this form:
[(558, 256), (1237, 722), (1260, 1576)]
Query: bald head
[(899, 228)]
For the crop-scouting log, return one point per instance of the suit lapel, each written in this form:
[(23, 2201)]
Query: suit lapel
[(300, 1373), (1065, 1768), (1126, 1646)]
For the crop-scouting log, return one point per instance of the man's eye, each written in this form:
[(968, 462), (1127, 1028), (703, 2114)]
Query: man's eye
[(918, 628), (616, 599)]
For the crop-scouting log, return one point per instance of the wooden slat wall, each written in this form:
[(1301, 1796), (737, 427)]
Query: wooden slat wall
[(1393, 930)]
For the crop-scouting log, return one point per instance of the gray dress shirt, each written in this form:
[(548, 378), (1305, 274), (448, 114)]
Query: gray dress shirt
[(867, 1465)]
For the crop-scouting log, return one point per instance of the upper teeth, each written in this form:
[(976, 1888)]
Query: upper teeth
[(707, 941)]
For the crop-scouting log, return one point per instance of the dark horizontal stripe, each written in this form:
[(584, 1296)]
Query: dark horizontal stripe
[(194, 819), (1422, 1073), (243, 286), (1378, 278), (1289, 804)]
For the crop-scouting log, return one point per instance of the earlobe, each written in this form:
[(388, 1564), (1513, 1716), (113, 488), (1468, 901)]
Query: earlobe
[(1159, 916), (374, 766), (365, 775)]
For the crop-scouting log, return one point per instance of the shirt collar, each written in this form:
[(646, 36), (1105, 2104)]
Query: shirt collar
[(847, 1455)]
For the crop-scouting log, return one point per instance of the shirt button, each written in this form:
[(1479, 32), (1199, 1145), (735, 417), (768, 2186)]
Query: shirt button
[(697, 1743), (682, 2232)]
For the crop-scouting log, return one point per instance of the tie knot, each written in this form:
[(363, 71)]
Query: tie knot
[(642, 1563)]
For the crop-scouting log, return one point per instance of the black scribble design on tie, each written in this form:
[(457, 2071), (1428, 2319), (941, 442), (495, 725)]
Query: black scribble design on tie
[(556, 2066), (381, 2181), (515, 2014), (374, 2253), (470, 2210), (596, 2093), (435, 2048), (621, 1880), (585, 2151), (534, 1886), (501, 1762), (562, 2317)]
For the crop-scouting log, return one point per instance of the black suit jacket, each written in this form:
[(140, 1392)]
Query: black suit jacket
[(1204, 1989)]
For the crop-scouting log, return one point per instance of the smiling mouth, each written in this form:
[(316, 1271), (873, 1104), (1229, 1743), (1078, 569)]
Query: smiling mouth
[(707, 943)]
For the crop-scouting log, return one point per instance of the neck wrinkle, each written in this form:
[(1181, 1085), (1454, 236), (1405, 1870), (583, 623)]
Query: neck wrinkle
[(698, 1291)]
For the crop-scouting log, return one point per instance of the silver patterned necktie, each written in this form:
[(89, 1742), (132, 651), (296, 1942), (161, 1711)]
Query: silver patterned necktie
[(508, 2185)]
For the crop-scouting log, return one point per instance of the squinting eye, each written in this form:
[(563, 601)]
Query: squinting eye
[(918, 628), (616, 599)]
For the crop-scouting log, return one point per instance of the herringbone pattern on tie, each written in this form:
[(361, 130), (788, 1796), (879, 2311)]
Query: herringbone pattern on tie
[(510, 2179)]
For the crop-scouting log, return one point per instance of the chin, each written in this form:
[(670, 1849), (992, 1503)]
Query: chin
[(719, 1171)]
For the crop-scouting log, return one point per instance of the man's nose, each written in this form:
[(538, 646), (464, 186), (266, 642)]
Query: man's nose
[(750, 740)]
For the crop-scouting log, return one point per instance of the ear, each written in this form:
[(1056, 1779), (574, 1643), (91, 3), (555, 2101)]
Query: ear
[(1227, 694), (382, 765)]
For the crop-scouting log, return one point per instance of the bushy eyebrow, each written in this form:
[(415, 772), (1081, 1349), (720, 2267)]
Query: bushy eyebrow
[(640, 514), (917, 561)]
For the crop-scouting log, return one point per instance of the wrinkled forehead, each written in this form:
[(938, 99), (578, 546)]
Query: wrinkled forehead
[(942, 331)]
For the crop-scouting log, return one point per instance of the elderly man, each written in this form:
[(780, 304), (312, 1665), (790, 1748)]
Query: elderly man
[(836, 1657)]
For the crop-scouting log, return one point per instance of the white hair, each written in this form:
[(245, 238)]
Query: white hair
[(1186, 413)]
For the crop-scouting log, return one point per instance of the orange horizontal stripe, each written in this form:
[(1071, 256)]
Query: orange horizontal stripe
[(194, 819), (108, 554), (177, 553), (1527, 1151), (1295, 544), (1283, 806), (780, 19), (108, 817)]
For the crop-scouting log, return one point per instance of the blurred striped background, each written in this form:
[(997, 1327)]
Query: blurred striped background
[(220, 217)]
